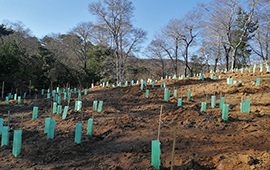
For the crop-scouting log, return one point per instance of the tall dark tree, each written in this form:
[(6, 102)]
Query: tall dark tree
[(4, 32)]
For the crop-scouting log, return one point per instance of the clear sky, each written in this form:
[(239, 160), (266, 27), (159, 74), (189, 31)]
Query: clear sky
[(59, 16)]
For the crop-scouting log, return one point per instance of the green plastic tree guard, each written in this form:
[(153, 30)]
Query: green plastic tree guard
[(7, 100), (56, 97), (141, 85), (203, 77), (50, 133), (175, 93), (75, 91), (79, 97), (65, 95), (164, 84), (215, 76), (85, 92), (1, 125), (78, 133), (242, 107), (213, 101), (35, 112), (246, 106), (95, 105), (78, 105), (153, 84), (179, 102), (68, 97), (15, 96), (59, 109), (48, 95), (212, 76), (228, 80), (219, 76), (188, 76), (19, 99), (161, 85), (54, 107), (42, 92), (147, 93), (5, 136), (258, 81), (188, 95), (90, 127), (47, 124), (100, 104), (17, 142), (155, 154), (24, 95), (166, 95), (221, 103), (254, 69), (126, 84), (225, 111), (65, 112), (59, 99), (203, 106)]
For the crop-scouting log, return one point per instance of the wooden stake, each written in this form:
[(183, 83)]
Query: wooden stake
[(174, 138), (8, 117), (22, 122), (220, 95), (182, 93), (81, 114), (3, 89), (52, 108), (159, 122), (30, 87)]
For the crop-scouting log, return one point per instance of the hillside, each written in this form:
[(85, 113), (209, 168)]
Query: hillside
[(128, 122)]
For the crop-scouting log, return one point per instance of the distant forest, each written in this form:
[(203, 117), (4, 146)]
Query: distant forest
[(226, 35)]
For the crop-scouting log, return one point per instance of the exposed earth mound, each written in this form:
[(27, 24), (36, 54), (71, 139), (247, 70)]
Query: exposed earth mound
[(123, 130)]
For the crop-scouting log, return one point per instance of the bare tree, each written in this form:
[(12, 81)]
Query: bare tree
[(80, 40), (115, 16), (155, 52), (178, 36), (261, 43), (23, 37), (222, 19)]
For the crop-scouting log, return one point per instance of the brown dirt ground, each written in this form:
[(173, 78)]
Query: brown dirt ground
[(123, 131)]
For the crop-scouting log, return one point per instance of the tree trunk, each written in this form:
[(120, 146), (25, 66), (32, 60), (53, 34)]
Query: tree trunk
[(233, 59), (215, 66)]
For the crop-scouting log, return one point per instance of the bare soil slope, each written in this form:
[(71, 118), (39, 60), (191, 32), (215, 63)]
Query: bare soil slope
[(123, 131)]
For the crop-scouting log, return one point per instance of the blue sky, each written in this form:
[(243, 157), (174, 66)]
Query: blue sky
[(59, 16)]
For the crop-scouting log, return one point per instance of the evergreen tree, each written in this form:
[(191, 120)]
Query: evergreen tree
[(243, 52)]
